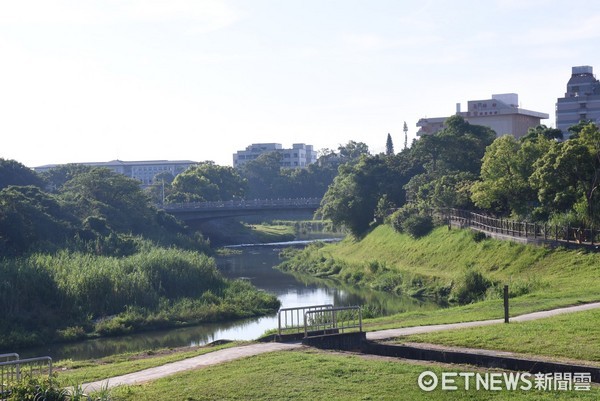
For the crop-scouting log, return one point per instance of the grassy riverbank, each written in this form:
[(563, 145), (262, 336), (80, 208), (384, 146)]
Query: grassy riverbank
[(70, 295), (457, 268), (572, 336), (316, 375)]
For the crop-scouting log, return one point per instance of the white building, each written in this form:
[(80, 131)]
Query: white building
[(144, 171), (581, 101), (501, 113), (299, 156)]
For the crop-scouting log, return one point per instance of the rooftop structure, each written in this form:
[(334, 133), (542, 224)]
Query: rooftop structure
[(144, 171), (581, 101), (501, 113), (299, 155)]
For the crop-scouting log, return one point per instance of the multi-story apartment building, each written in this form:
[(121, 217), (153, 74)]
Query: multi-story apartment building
[(501, 113), (581, 101), (144, 171), (299, 156)]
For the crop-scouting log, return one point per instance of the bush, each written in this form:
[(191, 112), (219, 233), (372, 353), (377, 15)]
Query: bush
[(478, 236), (417, 225), (471, 288), (399, 216)]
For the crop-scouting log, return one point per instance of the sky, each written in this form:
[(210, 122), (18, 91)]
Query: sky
[(99, 80)]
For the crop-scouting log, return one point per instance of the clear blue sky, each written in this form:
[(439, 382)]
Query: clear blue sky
[(87, 80)]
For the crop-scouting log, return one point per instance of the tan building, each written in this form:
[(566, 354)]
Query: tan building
[(501, 113), (144, 171)]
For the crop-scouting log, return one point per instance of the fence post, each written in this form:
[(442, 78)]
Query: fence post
[(556, 232), (545, 232), (505, 303), (592, 235), (568, 231), (534, 230)]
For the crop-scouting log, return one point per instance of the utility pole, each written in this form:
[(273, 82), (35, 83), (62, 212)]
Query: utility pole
[(405, 135)]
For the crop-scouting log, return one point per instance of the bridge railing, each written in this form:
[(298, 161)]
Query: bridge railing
[(292, 320), (14, 370), (332, 320), (243, 203)]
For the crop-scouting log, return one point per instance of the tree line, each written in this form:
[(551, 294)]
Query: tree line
[(539, 178)]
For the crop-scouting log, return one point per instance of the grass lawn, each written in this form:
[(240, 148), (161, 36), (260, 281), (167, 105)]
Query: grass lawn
[(313, 375), (573, 336), (539, 278), (77, 372)]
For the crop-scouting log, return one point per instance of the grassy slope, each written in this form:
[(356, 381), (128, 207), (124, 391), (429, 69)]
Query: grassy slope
[(313, 375), (554, 278), (573, 336)]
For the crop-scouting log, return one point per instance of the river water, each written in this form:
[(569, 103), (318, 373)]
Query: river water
[(253, 263)]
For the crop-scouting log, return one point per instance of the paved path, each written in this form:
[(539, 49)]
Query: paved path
[(392, 333), (229, 354)]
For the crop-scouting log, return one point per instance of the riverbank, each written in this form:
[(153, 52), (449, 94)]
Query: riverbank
[(231, 352), (459, 268)]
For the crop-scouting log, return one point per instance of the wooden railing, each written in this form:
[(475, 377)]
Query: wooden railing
[(541, 232)]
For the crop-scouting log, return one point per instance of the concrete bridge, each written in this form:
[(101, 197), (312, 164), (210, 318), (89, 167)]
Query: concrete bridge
[(216, 210)]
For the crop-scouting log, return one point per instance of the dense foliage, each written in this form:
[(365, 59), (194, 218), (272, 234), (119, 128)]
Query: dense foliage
[(87, 253)]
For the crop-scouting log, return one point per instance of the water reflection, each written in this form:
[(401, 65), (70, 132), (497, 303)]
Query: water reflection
[(254, 264)]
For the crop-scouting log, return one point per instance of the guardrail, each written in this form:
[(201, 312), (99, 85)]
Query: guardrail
[(332, 321), (14, 370), (522, 229), (240, 204), (292, 320)]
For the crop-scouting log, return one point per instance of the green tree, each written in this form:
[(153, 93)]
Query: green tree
[(508, 164), (30, 218), (56, 177), (262, 175), (389, 145), (114, 197), (207, 181), (352, 198), (15, 173), (567, 177)]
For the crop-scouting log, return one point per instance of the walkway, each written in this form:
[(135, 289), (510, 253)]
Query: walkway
[(230, 354)]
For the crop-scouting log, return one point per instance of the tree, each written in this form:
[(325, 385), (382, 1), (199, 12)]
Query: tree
[(114, 197), (30, 218), (452, 161), (505, 173), (567, 177), (353, 150), (207, 181), (389, 146), (352, 198), (15, 173), (56, 177)]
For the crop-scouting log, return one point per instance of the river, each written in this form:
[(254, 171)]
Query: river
[(253, 263)]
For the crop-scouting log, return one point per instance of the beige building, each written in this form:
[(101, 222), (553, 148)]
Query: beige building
[(144, 171), (501, 113), (299, 156)]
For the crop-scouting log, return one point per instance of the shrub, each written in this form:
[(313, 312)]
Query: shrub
[(478, 236), (471, 287), (418, 225)]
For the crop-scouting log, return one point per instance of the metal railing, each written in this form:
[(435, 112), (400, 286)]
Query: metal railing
[(523, 229), (291, 320), (332, 320), (14, 369), (240, 204)]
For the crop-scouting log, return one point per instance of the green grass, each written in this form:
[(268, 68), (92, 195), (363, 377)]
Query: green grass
[(572, 336), (272, 233), (314, 375), (69, 372), (539, 278)]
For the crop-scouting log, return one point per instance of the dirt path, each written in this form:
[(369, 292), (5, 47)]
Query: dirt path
[(229, 354)]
